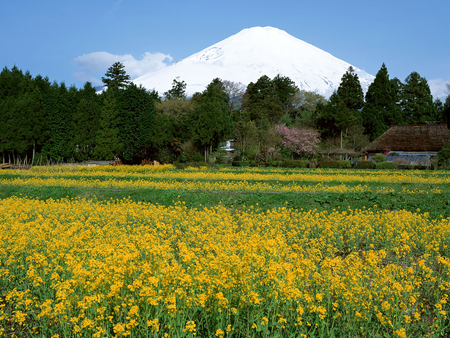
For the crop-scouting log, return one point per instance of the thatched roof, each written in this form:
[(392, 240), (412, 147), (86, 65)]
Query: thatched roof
[(411, 137)]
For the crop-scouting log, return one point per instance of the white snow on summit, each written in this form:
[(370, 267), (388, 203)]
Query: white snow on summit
[(252, 53)]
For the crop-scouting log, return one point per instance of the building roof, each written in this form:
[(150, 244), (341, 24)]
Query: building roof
[(411, 137)]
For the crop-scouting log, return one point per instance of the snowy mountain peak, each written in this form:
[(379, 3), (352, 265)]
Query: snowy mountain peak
[(251, 53)]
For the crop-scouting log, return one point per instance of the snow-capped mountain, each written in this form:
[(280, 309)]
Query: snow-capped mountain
[(251, 53)]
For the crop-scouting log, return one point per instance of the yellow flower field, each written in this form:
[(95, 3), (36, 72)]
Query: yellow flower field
[(249, 180), (167, 172), (83, 268)]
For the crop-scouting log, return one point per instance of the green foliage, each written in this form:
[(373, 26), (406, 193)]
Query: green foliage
[(85, 124), (295, 163), (350, 90), (136, 111), (211, 121), (116, 77), (268, 100), (63, 104), (380, 110), (443, 157), (365, 165), (341, 164), (107, 141), (241, 163), (416, 100), (386, 165), (178, 91), (335, 117), (379, 158)]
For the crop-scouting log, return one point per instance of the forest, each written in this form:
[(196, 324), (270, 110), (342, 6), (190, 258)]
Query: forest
[(42, 122)]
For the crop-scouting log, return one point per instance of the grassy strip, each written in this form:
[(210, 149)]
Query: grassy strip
[(436, 205)]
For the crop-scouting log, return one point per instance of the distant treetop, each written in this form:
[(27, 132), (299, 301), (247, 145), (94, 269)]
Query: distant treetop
[(116, 77)]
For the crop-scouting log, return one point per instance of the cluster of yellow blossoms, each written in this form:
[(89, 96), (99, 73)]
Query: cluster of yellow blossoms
[(251, 180), (85, 268)]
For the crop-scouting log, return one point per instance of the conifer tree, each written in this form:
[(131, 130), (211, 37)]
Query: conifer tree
[(59, 117), (116, 77), (212, 122), (350, 90), (137, 114), (107, 141), (380, 110), (178, 91), (416, 100)]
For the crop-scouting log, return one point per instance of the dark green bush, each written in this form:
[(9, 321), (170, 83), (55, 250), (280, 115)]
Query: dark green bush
[(274, 163), (329, 164), (365, 165), (335, 164), (443, 157), (379, 158), (255, 164), (412, 167), (386, 165), (295, 164), (241, 163)]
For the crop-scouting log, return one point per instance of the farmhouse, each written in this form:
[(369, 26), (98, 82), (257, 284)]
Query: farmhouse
[(410, 144)]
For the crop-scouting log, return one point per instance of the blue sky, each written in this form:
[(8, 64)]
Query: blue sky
[(76, 41)]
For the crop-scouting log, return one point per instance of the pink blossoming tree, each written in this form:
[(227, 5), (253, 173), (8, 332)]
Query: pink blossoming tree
[(302, 142)]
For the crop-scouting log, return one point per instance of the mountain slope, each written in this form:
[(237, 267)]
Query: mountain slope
[(251, 53)]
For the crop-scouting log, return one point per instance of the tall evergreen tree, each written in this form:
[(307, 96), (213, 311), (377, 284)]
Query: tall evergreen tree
[(137, 114), (334, 117), (116, 77), (262, 102), (59, 118), (350, 90), (416, 100), (285, 89), (107, 141), (178, 91), (85, 123), (380, 110), (212, 122), (268, 100)]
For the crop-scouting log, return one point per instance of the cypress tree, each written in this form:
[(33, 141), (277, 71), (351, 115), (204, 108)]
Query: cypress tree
[(416, 100), (380, 110), (350, 90), (212, 122), (116, 77), (59, 117), (137, 114), (85, 124), (262, 101), (107, 140)]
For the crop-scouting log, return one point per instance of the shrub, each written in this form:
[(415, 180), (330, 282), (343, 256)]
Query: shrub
[(386, 165), (313, 164), (335, 164), (379, 158), (365, 165), (241, 163), (295, 163), (274, 163), (444, 154), (329, 164)]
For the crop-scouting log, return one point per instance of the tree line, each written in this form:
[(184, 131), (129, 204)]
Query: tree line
[(40, 120)]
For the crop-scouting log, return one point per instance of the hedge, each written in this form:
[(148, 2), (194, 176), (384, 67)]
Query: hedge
[(386, 165), (365, 165), (241, 163), (295, 164), (335, 164)]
